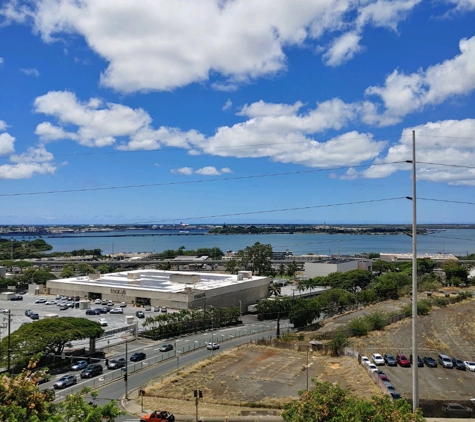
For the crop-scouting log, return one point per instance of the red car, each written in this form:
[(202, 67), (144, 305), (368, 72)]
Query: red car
[(403, 361)]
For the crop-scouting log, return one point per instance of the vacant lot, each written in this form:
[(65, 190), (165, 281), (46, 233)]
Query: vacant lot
[(257, 376)]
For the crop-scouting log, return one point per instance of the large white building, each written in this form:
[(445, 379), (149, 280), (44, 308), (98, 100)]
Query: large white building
[(174, 289), (323, 268)]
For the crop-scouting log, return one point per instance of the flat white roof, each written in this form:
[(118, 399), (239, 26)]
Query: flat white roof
[(159, 280)]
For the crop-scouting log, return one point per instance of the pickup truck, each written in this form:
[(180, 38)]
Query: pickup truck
[(158, 416)]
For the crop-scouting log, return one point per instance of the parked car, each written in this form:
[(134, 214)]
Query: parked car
[(97, 301), (92, 370), (445, 361), (390, 359), (63, 307), (420, 363), (372, 367), (65, 381), (139, 314), (383, 376), (138, 356), (116, 311), (22, 292), (402, 360), (212, 346), (163, 309), (430, 362), (34, 315), (40, 376), (123, 304), (40, 300), (457, 410), (106, 310), (148, 308), (469, 365), (110, 303), (377, 359), (104, 302), (365, 360), (93, 312), (166, 348), (103, 322), (28, 312), (17, 297), (101, 310), (116, 363), (388, 384), (50, 302), (458, 364), (394, 394), (79, 365)]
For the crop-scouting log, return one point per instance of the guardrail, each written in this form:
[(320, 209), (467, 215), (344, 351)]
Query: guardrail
[(113, 375)]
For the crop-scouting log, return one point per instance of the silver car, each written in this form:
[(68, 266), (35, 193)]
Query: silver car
[(65, 381)]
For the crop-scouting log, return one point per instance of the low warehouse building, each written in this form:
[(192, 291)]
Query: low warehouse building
[(323, 268), (174, 289)]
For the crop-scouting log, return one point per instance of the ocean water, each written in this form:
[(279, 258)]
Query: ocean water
[(456, 241)]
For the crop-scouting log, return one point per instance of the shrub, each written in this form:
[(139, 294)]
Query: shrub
[(423, 307), (339, 340), (376, 320), (359, 327)]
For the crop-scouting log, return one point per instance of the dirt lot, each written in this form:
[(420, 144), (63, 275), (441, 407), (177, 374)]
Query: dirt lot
[(263, 376)]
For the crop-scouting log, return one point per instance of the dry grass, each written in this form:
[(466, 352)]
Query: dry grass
[(252, 378)]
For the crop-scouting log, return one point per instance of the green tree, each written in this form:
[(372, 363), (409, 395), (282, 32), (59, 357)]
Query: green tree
[(232, 266), (104, 269), (339, 340), (453, 271), (388, 285), (292, 269), (22, 401), (36, 275), (304, 312), (330, 403), (257, 258), (68, 271), (47, 336)]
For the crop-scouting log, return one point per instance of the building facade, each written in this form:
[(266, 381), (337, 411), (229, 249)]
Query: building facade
[(173, 289)]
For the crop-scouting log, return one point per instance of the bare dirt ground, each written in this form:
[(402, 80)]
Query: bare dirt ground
[(265, 377)]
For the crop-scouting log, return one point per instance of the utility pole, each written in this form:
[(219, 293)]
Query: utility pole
[(415, 380)]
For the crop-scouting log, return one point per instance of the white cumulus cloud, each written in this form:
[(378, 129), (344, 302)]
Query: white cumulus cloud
[(7, 143), (164, 44), (33, 161), (448, 142), (403, 94)]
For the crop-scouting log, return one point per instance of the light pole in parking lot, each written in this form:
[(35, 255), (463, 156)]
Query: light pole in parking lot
[(126, 371), (8, 342)]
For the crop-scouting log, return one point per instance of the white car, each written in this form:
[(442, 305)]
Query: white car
[(40, 300), (123, 304), (469, 365), (116, 311), (50, 302), (365, 360), (377, 359), (103, 322), (373, 367), (98, 302), (212, 346)]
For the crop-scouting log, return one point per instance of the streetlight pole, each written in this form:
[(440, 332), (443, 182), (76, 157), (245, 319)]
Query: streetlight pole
[(8, 344), (126, 372)]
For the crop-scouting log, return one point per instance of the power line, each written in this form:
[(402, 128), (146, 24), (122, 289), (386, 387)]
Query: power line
[(279, 210), (187, 182)]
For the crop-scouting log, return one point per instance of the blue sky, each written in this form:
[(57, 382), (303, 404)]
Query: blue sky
[(215, 111)]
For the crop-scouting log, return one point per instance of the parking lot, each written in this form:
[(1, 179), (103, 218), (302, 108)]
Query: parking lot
[(49, 309), (448, 330)]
